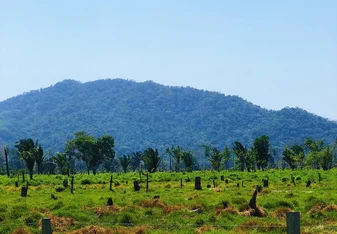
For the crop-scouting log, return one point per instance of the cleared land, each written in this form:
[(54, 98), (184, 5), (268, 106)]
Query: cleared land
[(219, 209)]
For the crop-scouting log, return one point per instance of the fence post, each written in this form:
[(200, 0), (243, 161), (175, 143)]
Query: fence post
[(46, 226), (293, 222), (147, 182)]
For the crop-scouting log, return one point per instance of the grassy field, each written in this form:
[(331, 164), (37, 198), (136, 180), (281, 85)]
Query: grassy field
[(223, 209)]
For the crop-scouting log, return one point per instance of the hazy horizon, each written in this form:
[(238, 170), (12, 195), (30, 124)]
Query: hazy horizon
[(273, 54)]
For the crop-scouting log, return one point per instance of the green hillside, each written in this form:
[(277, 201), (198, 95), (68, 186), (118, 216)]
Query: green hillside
[(140, 115)]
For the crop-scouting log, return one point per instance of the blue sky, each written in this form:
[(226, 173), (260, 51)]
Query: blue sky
[(272, 53)]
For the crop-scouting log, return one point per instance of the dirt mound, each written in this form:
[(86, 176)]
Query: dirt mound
[(316, 208)]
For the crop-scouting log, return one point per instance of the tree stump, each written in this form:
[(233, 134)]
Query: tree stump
[(238, 185), (16, 184), (197, 184), (293, 180), (226, 181), (265, 183), (308, 183), (109, 202), (65, 183), (259, 188), (252, 202), (222, 178), (136, 186), (24, 191)]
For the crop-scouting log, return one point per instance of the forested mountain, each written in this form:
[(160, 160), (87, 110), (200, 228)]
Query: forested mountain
[(141, 115)]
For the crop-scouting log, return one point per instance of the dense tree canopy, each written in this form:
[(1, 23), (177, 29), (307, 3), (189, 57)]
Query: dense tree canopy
[(142, 115)]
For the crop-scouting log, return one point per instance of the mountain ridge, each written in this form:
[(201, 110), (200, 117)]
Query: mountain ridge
[(147, 114)]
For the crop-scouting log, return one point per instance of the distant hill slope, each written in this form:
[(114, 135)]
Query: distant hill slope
[(140, 115)]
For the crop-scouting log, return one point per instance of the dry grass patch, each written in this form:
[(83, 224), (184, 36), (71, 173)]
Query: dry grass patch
[(258, 212), (330, 208), (316, 207), (259, 226), (229, 209), (194, 197), (94, 229), (205, 229), (152, 203), (281, 213), (59, 224), (105, 210), (21, 231)]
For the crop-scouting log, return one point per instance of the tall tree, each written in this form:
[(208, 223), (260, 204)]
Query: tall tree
[(6, 157), (188, 160), (294, 156), (39, 156), (261, 147), (125, 161), (175, 152), (226, 156), (136, 158), (314, 148), (26, 148), (62, 163), (213, 155), (151, 159), (91, 151), (240, 151)]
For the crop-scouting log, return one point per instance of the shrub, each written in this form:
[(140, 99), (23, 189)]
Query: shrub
[(86, 181), (199, 222), (59, 189), (126, 220)]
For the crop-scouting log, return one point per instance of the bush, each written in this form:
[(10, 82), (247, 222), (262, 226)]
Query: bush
[(86, 181), (59, 189), (126, 220), (199, 222), (33, 219)]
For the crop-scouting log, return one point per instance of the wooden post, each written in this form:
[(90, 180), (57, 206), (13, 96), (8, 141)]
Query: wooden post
[(197, 184), (242, 183), (214, 183), (319, 177), (6, 155), (110, 182), (222, 178), (147, 182), (72, 185), (46, 226), (293, 222), (23, 176)]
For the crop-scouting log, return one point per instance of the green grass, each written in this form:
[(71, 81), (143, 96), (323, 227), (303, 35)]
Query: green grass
[(178, 210)]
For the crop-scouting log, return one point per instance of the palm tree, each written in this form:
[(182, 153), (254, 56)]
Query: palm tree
[(151, 159), (125, 162)]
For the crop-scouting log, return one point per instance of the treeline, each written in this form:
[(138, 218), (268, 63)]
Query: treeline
[(87, 153)]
